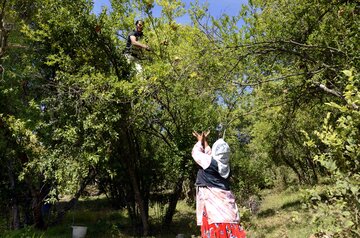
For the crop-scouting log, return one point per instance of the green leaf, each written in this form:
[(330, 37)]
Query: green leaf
[(347, 73)]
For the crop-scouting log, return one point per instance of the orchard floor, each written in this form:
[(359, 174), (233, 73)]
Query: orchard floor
[(280, 215)]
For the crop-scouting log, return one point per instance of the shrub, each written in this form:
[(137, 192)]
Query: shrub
[(337, 209)]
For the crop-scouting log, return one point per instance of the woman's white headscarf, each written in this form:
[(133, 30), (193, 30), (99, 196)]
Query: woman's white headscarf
[(221, 153)]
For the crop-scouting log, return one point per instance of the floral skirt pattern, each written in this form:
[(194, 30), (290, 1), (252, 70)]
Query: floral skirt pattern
[(220, 230)]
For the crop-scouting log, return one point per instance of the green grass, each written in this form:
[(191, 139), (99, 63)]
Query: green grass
[(184, 222), (104, 222), (281, 214)]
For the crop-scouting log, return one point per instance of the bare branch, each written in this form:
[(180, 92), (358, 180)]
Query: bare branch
[(331, 91), (278, 79), (2, 11), (314, 46), (267, 43), (336, 93), (17, 46)]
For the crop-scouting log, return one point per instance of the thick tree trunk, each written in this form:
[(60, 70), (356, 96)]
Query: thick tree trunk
[(37, 214), (139, 201), (130, 206), (131, 168), (38, 195), (174, 198), (15, 215)]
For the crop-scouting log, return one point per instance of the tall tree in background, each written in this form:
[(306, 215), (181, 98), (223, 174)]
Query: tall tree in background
[(17, 145), (300, 56), (296, 51)]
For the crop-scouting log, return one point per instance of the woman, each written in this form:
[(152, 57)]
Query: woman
[(216, 210)]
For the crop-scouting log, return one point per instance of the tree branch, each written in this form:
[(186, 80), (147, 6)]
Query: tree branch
[(331, 91), (277, 79)]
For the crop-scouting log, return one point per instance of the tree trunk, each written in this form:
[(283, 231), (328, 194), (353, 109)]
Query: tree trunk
[(130, 164), (38, 195), (173, 202), (314, 179), (15, 216), (290, 164), (174, 197), (15, 213), (139, 201), (69, 205), (37, 214)]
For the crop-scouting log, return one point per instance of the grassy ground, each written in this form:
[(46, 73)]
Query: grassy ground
[(104, 222), (281, 215)]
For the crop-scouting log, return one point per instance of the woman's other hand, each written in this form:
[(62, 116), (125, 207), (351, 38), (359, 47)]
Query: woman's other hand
[(198, 136)]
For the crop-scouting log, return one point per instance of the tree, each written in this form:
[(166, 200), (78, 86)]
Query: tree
[(295, 52), (15, 94)]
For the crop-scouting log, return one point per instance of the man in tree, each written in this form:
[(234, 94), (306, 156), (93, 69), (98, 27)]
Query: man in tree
[(134, 49)]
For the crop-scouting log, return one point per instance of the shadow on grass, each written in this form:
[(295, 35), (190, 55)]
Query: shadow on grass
[(184, 223), (294, 204), (262, 232), (271, 212), (266, 213)]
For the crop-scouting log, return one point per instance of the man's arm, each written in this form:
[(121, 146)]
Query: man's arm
[(134, 42)]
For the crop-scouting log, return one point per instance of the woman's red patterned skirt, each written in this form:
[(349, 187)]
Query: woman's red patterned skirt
[(220, 230)]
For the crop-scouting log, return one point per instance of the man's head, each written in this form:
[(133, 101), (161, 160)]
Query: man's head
[(139, 25)]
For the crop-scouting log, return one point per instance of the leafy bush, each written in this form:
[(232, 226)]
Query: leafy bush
[(337, 209)]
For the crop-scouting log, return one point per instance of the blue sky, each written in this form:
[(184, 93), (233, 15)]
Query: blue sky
[(216, 7)]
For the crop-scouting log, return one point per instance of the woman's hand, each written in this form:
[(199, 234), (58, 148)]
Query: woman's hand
[(198, 136), (202, 137), (206, 133)]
